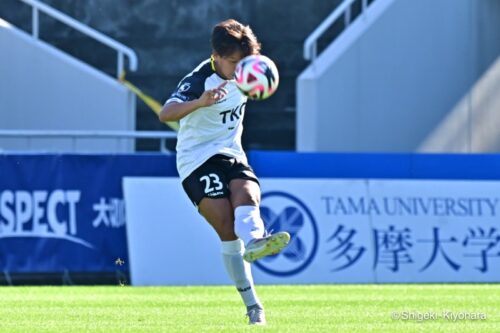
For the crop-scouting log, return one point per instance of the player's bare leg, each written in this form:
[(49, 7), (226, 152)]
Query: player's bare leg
[(219, 213)]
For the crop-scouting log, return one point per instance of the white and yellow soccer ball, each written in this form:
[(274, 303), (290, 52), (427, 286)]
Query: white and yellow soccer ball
[(257, 77)]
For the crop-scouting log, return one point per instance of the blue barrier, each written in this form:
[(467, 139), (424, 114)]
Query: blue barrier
[(375, 166), (66, 212)]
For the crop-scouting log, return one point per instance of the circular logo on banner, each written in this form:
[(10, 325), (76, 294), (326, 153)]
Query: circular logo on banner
[(284, 212)]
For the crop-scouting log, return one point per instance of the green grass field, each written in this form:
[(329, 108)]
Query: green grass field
[(323, 308)]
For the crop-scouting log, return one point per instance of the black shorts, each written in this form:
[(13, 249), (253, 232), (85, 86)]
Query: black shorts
[(211, 179)]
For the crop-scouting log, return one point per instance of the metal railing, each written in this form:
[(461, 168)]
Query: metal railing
[(345, 8), (122, 50), (74, 135)]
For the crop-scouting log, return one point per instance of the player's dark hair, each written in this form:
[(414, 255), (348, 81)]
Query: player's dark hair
[(230, 35)]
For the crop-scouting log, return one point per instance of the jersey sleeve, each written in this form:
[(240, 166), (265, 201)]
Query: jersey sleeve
[(190, 88)]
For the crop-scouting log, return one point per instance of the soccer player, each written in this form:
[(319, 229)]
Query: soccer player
[(212, 164)]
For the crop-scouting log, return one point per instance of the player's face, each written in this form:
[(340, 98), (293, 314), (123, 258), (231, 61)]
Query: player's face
[(226, 65)]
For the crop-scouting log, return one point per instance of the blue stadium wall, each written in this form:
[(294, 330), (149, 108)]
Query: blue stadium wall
[(65, 214)]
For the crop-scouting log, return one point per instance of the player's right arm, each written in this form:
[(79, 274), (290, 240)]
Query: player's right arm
[(180, 105), (174, 111)]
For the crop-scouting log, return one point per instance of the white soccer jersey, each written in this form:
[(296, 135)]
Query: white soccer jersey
[(211, 130)]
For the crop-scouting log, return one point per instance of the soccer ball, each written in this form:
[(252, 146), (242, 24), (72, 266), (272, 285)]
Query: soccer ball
[(256, 77)]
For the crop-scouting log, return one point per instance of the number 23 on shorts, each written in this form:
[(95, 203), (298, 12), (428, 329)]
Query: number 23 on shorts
[(212, 182)]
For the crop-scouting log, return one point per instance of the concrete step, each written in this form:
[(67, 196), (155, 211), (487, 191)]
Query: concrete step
[(172, 37)]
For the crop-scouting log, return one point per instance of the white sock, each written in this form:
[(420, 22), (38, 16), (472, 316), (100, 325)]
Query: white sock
[(240, 271), (248, 224)]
